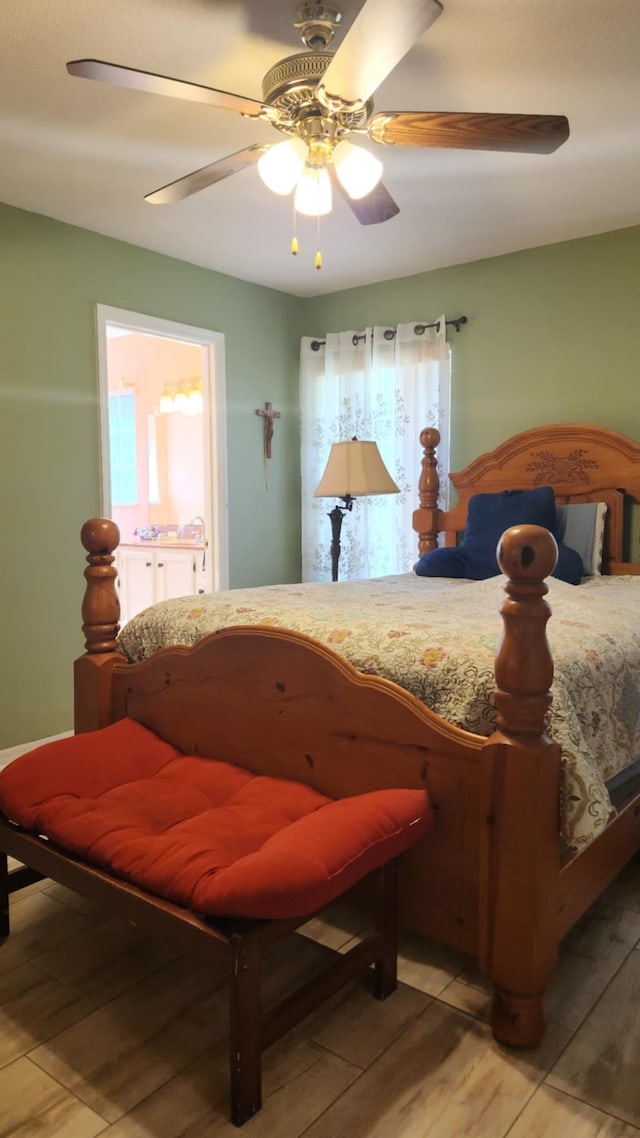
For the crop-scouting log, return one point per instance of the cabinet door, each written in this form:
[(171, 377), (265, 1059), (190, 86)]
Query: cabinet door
[(137, 581), (175, 573)]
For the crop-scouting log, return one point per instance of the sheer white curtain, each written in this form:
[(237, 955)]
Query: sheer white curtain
[(384, 385)]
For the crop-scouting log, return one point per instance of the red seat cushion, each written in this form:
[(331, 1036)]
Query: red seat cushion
[(207, 835)]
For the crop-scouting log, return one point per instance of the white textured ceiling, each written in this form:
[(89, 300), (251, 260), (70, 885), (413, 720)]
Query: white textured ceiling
[(87, 153)]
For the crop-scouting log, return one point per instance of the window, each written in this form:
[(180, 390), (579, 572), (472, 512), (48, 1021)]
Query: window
[(122, 449), (382, 385)]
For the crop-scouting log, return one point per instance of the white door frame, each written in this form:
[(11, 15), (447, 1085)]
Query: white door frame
[(216, 499)]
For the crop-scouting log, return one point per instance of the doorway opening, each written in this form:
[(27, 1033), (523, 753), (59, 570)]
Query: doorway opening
[(163, 455)]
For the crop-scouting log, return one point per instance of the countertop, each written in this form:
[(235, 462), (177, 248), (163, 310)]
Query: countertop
[(164, 543)]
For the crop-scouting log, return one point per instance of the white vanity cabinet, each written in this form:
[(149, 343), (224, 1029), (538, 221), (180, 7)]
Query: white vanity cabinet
[(152, 574)]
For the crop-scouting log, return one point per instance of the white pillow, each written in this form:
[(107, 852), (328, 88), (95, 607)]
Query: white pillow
[(580, 525)]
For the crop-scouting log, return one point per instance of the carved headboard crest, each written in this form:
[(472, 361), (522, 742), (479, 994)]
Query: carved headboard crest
[(549, 468)]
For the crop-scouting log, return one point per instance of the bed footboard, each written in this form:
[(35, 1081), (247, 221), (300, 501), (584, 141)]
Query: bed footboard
[(486, 879)]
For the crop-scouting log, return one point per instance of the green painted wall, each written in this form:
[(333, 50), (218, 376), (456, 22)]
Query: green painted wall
[(551, 337), (51, 277)]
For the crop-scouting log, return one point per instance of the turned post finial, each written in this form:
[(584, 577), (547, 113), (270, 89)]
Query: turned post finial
[(524, 665), (100, 607), (426, 516)]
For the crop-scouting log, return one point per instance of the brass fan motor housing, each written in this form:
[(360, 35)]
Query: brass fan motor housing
[(290, 87)]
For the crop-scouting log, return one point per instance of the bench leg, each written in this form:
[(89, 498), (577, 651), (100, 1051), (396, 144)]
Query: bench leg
[(386, 919), (245, 1018), (4, 896)]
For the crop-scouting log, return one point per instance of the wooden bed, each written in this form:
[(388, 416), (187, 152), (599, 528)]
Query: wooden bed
[(490, 878)]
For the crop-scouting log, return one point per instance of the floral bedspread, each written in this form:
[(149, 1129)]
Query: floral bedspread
[(438, 639)]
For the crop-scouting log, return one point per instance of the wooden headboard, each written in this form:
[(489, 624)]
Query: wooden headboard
[(583, 463)]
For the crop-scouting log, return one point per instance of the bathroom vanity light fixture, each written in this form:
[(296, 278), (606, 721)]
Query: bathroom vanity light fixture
[(185, 397)]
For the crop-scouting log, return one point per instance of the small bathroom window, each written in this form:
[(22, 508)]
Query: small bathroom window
[(122, 449)]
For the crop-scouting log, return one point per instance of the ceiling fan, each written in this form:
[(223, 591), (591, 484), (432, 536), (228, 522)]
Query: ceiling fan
[(320, 99)]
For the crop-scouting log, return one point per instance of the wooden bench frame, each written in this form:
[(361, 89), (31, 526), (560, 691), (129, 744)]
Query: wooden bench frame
[(237, 944)]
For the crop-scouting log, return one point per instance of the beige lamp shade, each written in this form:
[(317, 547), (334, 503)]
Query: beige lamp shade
[(353, 469)]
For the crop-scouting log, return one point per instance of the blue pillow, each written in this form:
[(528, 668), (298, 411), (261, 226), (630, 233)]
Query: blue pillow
[(443, 563), (488, 516), (570, 567)]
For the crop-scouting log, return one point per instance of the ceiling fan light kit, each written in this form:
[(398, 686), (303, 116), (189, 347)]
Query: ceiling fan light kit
[(358, 170), (281, 166), (313, 192), (319, 98)]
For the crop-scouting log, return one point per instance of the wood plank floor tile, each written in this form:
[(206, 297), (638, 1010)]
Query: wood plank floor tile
[(28, 889), (36, 1106), (426, 965), (125, 1050), (590, 956), (551, 1114), (625, 890), (106, 959), (602, 1063), (33, 1008), (300, 1080), (74, 900), (358, 1028), (37, 923), (443, 1077), (474, 1001), (289, 963), (575, 987), (605, 927), (339, 924)]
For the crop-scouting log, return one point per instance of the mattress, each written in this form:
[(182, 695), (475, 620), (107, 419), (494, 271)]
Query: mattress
[(438, 639)]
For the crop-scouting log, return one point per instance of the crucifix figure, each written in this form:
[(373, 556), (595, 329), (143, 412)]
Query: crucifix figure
[(268, 415)]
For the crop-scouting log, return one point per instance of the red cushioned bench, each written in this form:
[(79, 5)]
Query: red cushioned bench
[(211, 855)]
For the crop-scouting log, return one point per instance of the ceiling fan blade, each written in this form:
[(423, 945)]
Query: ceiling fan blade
[(535, 134), (207, 175), (375, 207), (379, 37), (162, 85)]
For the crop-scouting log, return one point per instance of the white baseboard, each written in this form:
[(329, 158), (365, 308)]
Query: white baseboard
[(10, 753)]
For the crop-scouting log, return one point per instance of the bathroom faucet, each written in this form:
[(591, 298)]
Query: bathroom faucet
[(199, 521)]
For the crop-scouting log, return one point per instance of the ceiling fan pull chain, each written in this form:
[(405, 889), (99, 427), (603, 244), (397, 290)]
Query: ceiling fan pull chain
[(318, 259), (295, 248)]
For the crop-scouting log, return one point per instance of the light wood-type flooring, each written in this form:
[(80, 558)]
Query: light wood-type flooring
[(105, 1032)]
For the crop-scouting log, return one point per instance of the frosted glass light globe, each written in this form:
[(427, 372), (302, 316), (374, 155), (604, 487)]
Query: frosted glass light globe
[(281, 166), (313, 195), (358, 170)]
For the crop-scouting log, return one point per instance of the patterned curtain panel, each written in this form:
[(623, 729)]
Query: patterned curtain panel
[(384, 385)]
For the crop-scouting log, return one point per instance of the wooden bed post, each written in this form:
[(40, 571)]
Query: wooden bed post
[(425, 518), (100, 617), (524, 863)]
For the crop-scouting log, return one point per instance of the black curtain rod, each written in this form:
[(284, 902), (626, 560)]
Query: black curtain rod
[(390, 333)]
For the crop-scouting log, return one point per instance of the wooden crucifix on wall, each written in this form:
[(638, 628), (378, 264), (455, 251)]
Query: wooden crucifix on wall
[(268, 415)]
